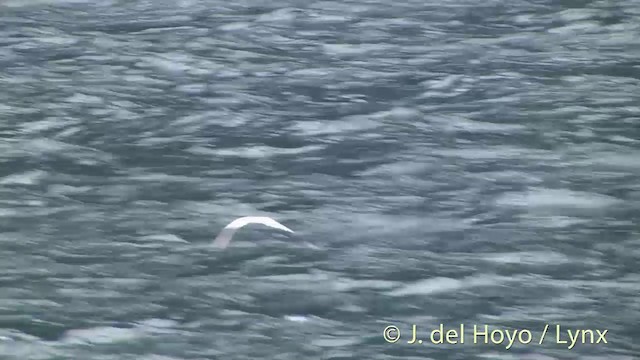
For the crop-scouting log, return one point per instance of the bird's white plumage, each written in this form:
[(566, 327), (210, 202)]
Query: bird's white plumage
[(225, 236)]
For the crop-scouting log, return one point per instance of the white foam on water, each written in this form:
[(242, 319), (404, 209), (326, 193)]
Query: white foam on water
[(296, 318), (26, 178), (440, 285), (101, 335), (164, 238), (560, 198)]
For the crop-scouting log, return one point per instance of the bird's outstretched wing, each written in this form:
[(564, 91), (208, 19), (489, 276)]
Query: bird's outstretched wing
[(225, 236)]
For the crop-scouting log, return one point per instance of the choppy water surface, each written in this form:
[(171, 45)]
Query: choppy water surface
[(451, 162)]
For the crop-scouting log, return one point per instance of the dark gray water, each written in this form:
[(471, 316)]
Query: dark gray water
[(455, 162)]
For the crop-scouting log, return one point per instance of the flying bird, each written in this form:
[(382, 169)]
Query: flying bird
[(226, 234)]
